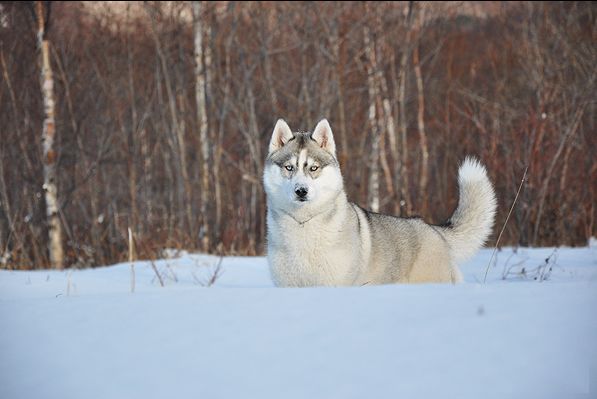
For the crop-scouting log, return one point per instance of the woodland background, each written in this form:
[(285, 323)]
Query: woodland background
[(164, 111)]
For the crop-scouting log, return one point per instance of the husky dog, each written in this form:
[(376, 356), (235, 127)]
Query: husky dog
[(316, 237)]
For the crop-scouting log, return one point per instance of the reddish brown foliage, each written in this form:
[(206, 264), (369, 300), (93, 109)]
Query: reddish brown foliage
[(514, 87)]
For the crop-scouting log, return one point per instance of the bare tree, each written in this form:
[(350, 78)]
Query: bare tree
[(50, 186), (372, 90), (178, 130), (424, 171), (388, 117), (331, 27), (513, 86), (405, 201), (200, 96)]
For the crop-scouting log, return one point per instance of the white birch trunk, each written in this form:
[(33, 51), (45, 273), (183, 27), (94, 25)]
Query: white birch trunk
[(373, 192), (50, 187), (200, 97), (406, 206)]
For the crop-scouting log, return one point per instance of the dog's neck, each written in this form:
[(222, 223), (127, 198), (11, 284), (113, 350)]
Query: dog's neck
[(301, 222), (302, 218)]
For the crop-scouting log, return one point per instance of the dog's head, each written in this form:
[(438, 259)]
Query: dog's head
[(301, 169)]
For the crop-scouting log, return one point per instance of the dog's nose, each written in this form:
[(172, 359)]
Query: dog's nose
[(301, 192)]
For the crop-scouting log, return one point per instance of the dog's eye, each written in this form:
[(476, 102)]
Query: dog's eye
[(313, 168), (289, 168)]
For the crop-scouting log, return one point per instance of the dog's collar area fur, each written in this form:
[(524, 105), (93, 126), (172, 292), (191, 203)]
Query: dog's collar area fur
[(302, 224)]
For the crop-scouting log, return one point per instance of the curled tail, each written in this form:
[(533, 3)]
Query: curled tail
[(472, 221)]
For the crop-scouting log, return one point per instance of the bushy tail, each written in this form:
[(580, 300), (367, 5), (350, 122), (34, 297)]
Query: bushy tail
[(472, 221)]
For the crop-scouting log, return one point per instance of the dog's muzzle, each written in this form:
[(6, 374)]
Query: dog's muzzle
[(301, 193)]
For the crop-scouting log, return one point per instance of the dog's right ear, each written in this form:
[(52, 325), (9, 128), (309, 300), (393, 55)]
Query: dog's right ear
[(280, 136)]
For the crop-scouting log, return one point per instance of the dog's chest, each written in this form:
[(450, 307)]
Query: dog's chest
[(304, 255)]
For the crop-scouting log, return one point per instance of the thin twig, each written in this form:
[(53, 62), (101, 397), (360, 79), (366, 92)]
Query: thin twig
[(155, 270), (505, 223), (216, 273), (68, 283), (131, 258), (151, 261)]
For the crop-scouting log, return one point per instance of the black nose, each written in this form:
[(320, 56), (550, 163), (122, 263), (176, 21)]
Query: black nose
[(301, 192)]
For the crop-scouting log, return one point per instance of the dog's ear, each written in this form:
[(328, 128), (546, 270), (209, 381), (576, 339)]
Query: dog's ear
[(280, 136), (324, 137)]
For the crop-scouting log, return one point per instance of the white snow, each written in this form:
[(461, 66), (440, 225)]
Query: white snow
[(83, 334)]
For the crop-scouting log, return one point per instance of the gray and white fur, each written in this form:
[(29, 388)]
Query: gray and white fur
[(316, 237)]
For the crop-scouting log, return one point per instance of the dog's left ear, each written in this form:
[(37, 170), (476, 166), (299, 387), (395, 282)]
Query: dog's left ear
[(324, 137)]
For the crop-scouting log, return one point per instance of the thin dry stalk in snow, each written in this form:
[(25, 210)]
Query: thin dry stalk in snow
[(68, 282), (131, 259), (151, 261), (505, 222), (216, 273)]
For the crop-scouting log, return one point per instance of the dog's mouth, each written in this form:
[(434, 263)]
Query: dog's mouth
[(299, 199)]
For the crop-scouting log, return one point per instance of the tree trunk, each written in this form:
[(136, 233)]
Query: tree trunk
[(406, 206), (337, 76), (373, 192), (305, 94), (394, 149), (422, 135), (50, 186), (268, 16), (178, 143), (570, 131), (228, 76), (200, 97), (132, 170), (386, 118)]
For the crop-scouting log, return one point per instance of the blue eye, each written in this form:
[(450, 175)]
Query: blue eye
[(289, 168), (313, 168)]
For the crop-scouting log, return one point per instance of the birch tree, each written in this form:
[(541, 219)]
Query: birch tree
[(424, 173), (404, 173), (372, 90), (200, 97), (50, 186)]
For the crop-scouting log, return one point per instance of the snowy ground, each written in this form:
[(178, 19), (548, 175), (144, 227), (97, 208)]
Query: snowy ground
[(530, 332)]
